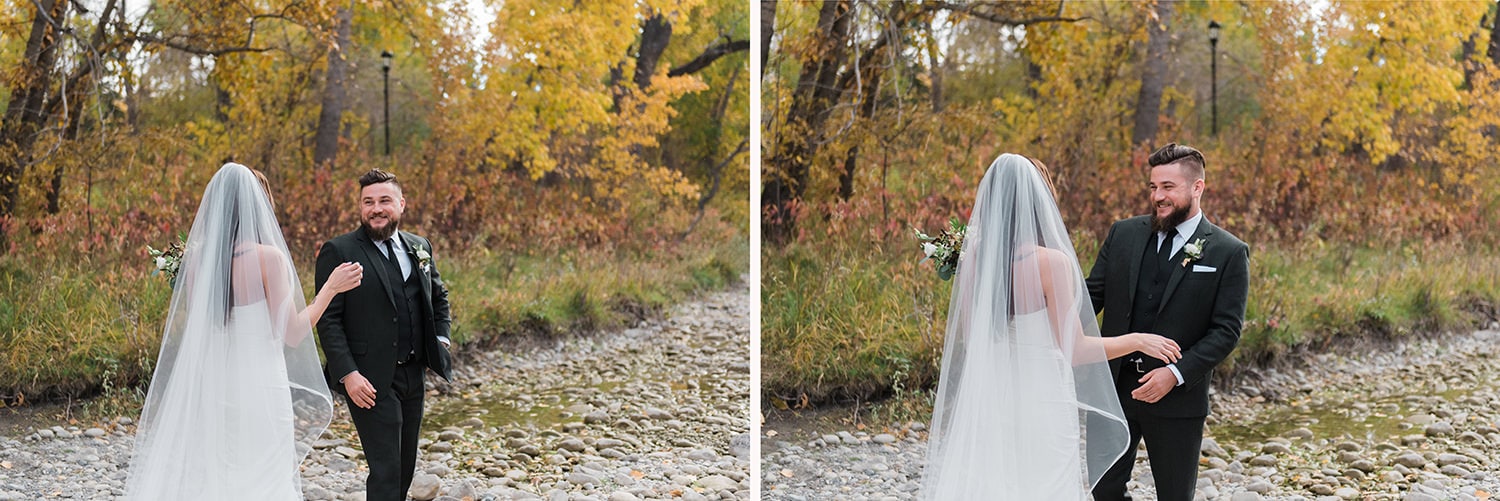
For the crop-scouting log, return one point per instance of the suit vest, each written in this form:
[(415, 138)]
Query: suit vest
[(1156, 270), (409, 315)]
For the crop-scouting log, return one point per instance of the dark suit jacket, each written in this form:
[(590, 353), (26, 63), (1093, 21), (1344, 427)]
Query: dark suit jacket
[(358, 330), (1201, 311)]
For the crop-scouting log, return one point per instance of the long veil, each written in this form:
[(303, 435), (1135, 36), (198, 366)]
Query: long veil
[(1026, 405), (238, 395)]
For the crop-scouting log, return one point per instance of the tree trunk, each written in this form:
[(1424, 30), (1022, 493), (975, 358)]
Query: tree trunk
[(24, 115), (656, 33), (867, 112), (935, 68), (326, 140), (767, 30), (1153, 75), (1494, 49), (798, 140)]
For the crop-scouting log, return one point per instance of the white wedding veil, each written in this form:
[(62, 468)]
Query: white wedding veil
[(238, 394), (1026, 406)]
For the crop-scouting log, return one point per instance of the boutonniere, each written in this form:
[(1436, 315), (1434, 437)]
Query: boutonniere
[(424, 259), (1193, 250)]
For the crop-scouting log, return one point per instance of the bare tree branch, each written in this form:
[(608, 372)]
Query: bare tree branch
[(975, 10), (708, 57)]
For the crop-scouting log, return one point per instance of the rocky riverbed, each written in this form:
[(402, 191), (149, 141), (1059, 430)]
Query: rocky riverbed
[(1412, 421), (653, 412)]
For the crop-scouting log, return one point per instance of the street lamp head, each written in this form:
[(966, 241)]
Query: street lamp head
[(1213, 31), (385, 59)]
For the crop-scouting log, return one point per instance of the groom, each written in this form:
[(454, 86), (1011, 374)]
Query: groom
[(1175, 274), (379, 339)]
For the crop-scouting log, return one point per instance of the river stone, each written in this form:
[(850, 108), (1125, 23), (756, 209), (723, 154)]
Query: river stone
[(1349, 446), (1245, 496), (1275, 448), (425, 487), (703, 455), (1346, 493), (1411, 460), (1300, 433), (572, 445), (1446, 459), (1421, 419), (440, 447), (1263, 460), (1210, 447), (715, 483), (1418, 496), (1439, 429), (1321, 489), (1260, 486), (885, 438), (578, 478), (1363, 465), (1454, 470), (622, 496)]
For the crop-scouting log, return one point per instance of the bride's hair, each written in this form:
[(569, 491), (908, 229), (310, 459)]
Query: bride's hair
[(261, 176), (1046, 175)]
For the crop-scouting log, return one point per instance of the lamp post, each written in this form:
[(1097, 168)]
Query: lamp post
[(385, 70), (1213, 44)]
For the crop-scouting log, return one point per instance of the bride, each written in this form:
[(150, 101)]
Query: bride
[(238, 395), (1026, 405)]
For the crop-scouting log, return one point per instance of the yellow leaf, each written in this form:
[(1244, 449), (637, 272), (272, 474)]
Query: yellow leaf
[(637, 474)]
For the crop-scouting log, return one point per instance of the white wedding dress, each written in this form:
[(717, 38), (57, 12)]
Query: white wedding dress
[(250, 454), (1042, 463), (1026, 405), (238, 394)]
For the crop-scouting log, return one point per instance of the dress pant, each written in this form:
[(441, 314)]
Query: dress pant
[(1173, 446), (388, 431)]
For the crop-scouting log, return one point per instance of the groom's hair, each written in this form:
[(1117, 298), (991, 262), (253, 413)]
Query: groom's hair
[(1186, 156), (377, 176)]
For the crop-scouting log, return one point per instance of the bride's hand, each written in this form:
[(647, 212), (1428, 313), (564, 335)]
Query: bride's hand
[(1157, 346), (346, 276)]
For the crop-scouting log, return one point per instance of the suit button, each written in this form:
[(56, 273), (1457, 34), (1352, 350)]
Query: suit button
[(393, 320)]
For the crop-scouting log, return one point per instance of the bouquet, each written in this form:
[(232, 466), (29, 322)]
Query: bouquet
[(168, 261), (945, 248)]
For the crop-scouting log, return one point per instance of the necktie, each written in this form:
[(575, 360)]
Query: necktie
[(1164, 252), (390, 254)]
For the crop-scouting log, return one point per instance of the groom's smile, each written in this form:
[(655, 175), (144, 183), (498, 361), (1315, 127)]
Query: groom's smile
[(380, 207)]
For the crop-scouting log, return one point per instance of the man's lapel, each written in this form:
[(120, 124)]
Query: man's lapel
[(416, 264), (377, 261), (1178, 269), (1136, 241)]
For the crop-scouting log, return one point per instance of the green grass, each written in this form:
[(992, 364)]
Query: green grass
[(71, 328), (846, 322)]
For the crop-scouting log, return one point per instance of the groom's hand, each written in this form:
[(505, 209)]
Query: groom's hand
[(360, 391), (1154, 385)]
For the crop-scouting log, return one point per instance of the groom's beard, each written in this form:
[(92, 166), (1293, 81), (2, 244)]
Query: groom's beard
[(1174, 218), (392, 223)]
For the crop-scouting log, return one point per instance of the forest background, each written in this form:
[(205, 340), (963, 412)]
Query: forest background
[(1355, 145), (577, 165)]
